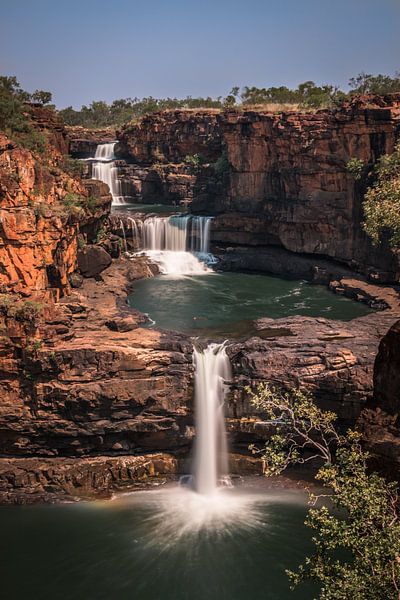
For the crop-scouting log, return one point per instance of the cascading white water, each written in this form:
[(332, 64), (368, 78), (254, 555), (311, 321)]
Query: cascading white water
[(104, 169), (166, 233), (123, 235), (172, 242), (200, 238), (212, 369)]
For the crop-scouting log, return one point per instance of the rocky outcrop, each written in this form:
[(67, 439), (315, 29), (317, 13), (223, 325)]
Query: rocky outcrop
[(43, 209), (331, 359), (285, 182), (380, 421), (82, 141), (26, 481), (88, 389), (170, 136)]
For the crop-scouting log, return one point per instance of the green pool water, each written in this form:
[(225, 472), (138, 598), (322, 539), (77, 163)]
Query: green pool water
[(157, 209), (226, 302), (141, 548)]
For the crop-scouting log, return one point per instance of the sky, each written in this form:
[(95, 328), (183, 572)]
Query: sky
[(84, 50)]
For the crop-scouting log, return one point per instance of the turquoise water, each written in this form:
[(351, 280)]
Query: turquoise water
[(228, 301)]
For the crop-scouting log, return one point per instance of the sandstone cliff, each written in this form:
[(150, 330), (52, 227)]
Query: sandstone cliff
[(43, 208), (285, 182)]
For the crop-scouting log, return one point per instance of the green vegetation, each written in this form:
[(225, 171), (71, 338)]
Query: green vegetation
[(41, 97), (307, 95), (382, 200), (222, 165), (25, 310), (76, 204), (14, 116), (356, 167), (356, 532), (375, 84), (72, 166), (196, 161)]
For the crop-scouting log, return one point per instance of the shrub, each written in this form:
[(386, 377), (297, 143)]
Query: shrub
[(72, 166), (382, 200), (27, 311), (356, 167), (196, 161), (73, 203), (14, 119)]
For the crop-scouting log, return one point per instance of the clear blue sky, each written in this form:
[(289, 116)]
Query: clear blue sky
[(84, 50)]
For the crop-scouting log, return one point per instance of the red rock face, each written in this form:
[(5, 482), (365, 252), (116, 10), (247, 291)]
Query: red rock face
[(38, 236), (288, 183)]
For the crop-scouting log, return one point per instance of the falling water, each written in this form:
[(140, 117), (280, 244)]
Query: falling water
[(104, 169), (212, 369), (123, 234), (177, 243)]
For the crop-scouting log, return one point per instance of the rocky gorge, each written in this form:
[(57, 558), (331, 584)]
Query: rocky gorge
[(93, 401)]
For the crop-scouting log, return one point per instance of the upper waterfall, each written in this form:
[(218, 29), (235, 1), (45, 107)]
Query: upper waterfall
[(104, 169)]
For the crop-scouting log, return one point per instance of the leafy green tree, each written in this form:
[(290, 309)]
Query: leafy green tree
[(42, 97), (382, 200), (231, 98), (365, 83), (356, 531)]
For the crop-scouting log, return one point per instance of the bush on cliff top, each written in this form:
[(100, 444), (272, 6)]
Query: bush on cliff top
[(356, 535), (14, 116)]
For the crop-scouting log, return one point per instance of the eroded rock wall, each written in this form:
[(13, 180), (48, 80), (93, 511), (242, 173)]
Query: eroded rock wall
[(39, 223), (287, 183)]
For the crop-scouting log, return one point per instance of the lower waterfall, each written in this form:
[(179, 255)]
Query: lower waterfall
[(212, 369)]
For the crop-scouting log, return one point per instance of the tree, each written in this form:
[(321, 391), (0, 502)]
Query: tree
[(42, 97), (230, 100), (365, 83), (356, 532), (382, 199)]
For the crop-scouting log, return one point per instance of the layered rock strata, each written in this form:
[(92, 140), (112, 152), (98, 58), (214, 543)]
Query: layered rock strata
[(279, 179)]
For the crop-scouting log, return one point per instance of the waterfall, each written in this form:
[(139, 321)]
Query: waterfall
[(200, 239), (104, 169), (212, 368), (123, 234), (136, 230), (177, 243)]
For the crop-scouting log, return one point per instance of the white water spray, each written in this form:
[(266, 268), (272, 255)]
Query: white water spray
[(212, 370), (104, 169)]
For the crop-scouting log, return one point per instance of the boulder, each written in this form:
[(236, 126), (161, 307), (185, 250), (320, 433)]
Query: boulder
[(92, 260)]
